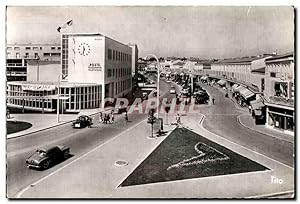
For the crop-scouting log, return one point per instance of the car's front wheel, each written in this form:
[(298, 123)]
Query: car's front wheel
[(46, 164)]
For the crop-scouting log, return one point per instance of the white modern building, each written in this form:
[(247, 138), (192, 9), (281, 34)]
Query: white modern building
[(93, 67)]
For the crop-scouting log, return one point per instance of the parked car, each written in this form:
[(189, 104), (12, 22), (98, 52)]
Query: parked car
[(82, 122), (44, 158)]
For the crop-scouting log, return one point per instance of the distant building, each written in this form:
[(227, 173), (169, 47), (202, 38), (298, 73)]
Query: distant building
[(142, 64), (17, 56), (265, 82), (93, 67), (280, 92)]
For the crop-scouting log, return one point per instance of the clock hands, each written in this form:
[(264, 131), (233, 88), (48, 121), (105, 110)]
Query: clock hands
[(83, 50)]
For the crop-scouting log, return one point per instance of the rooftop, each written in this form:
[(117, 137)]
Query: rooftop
[(283, 57), (62, 83)]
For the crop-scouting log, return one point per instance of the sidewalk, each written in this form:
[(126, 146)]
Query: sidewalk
[(247, 121), (45, 121)]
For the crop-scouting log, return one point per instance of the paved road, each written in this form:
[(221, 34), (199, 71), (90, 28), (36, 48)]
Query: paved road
[(221, 119), (79, 140)]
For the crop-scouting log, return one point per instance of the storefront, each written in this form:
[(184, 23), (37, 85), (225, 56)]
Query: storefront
[(258, 109), (280, 117), (242, 95), (43, 96)]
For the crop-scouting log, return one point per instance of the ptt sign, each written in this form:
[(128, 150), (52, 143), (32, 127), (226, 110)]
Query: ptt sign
[(94, 67)]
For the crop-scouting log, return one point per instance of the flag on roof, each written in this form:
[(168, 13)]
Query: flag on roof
[(69, 23)]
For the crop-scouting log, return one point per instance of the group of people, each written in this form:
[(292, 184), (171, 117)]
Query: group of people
[(107, 118)]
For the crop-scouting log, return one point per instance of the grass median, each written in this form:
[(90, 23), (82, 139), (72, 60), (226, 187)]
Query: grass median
[(185, 155)]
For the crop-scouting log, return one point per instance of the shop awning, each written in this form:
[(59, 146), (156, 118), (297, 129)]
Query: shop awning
[(257, 104), (245, 93), (221, 82), (239, 88), (38, 87)]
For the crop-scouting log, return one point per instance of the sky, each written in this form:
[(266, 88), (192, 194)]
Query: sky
[(182, 31)]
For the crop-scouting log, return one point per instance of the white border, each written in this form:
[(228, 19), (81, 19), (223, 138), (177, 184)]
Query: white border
[(111, 2)]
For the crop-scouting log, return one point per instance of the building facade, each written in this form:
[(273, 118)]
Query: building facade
[(17, 56), (265, 82), (279, 93), (92, 67), (135, 57), (97, 59)]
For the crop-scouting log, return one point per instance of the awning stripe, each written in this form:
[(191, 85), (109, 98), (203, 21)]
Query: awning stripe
[(246, 93)]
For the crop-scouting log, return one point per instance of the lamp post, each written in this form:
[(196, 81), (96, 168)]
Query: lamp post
[(58, 94), (158, 68), (38, 67)]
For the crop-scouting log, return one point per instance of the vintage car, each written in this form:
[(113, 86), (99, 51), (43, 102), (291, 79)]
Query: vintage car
[(82, 122), (44, 158)]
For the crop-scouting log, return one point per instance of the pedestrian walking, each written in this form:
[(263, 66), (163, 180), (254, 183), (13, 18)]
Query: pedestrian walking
[(126, 117), (108, 118), (7, 114), (105, 119), (249, 108), (112, 118), (213, 100), (89, 122), (179, 119), (100, 117)]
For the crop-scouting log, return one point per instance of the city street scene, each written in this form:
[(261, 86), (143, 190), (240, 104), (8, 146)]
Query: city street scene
[(150, 102)]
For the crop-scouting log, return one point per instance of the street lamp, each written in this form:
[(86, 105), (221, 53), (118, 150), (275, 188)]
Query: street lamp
[(58, 93), (158, 68)]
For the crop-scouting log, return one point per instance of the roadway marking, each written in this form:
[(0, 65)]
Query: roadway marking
[(20, 193), (243, 146)]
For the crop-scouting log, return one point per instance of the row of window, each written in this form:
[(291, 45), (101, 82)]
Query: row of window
[(79, 97), (122, 86), (36, 55), (121, 72), (118, 56), (32, 103), (65, 55), (32, 48)]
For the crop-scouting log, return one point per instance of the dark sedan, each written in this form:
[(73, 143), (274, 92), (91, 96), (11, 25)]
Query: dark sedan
[(44, 158), (82, 122)]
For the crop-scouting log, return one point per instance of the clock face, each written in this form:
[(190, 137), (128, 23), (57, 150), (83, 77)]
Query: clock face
[(84, 49)]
